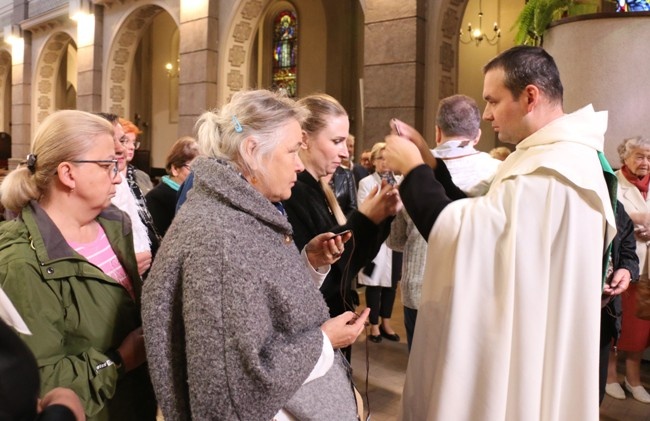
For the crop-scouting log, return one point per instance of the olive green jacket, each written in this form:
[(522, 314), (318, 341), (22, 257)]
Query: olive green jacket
[(76, 312)]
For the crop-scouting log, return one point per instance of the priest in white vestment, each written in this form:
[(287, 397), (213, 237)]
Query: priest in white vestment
[(508, 324)]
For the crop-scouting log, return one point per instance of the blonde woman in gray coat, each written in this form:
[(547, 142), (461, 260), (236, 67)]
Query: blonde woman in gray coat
[(235, 326)]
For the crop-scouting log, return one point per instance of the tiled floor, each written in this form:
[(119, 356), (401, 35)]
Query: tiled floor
[(387, 365)]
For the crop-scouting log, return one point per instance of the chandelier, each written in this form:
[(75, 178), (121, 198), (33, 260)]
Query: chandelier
[(477, 35)]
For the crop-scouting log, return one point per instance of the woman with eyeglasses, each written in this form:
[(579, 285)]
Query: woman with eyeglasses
[(135, 175), (161, 201), (67, 263), (125, 200), (131, 177)]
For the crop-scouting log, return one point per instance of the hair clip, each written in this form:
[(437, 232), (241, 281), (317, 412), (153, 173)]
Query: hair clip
[(31, 162), (238, 127)]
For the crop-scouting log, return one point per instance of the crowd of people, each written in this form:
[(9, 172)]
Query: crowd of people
[(229, 289)]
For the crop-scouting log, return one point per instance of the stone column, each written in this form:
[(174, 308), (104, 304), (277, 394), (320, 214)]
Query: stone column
[(21, 87), (197, 87), (393, 65), (89, 62), (21, 100)]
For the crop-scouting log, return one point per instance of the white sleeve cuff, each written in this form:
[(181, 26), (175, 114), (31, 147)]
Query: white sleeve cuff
[(323, 364), (318, 274), (325, 360)]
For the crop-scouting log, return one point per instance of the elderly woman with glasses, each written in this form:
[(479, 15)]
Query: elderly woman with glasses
[(133, 180), (135, 176), (67, 263)]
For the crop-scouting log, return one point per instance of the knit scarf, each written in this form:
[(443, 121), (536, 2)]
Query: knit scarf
[(640, 183), (143, 212)]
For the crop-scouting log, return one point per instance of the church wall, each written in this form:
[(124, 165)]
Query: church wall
[(393, 66), (618, 84), (164, 126)]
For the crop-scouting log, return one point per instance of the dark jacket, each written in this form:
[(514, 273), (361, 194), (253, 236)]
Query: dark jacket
[(623, 257), (345, 189), (426, 193), (310, 215), (359, 172), (19, 383), (76, 312), (161, 203)]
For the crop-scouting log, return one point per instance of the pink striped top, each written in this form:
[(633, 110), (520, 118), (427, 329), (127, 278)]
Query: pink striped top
[(100, 253)]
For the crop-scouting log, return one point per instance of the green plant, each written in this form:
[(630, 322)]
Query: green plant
[(535, 18)]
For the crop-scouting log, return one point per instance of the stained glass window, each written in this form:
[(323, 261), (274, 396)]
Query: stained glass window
[(285, 52)]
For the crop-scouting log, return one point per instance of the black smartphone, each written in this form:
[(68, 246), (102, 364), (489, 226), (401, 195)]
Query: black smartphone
[(342, 232)]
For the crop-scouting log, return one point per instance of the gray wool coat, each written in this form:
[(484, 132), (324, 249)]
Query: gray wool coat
[(230, 315)]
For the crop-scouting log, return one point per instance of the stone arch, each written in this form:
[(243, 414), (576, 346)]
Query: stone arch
[(5, 90), (236, 54), (237, 47), (444, 21), (47, 69), (441, 73), (448, 26), (121, 55)]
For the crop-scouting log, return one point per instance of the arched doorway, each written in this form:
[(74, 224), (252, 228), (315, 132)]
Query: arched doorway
[(139, 86), (444, 61), (55, 77), (330, 50)]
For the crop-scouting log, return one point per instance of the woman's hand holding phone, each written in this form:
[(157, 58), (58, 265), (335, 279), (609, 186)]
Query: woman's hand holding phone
[(326, 248), (344, 329)]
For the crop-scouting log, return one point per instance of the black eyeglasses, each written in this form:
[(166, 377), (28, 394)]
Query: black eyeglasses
[(106, 163), (124, 140)]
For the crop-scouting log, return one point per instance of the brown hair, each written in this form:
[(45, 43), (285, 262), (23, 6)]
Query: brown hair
[(183, 150)]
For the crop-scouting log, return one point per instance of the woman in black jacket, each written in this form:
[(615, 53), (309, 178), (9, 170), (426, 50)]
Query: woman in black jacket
[(312, 208)]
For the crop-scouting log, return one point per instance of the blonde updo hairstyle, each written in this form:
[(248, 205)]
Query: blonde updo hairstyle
[(259, 114), (65, 135), (182, 151), (320, 106)]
